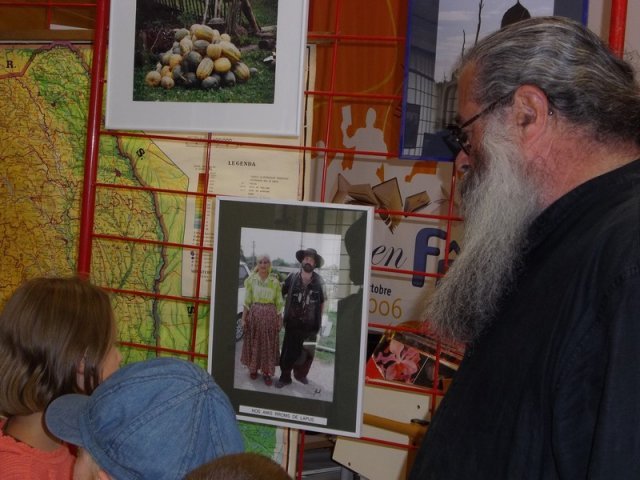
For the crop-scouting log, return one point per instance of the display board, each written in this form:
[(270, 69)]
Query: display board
[(147, 235)]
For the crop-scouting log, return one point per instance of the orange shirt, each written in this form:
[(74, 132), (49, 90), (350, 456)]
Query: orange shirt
[(19, 461)]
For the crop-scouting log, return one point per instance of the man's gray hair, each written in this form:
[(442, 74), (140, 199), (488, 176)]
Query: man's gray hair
[(583, 80)]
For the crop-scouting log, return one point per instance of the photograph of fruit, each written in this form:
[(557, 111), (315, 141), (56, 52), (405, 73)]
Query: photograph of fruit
[(205, 51), (207, 66)]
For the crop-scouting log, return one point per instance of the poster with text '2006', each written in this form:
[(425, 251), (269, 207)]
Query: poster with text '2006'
[(410, 250)]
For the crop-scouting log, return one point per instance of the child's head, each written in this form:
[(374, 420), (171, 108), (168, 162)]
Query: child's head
[(56, 336), (240, 466), (156, 419)]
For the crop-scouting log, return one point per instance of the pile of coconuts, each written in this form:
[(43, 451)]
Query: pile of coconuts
[(201, 57)]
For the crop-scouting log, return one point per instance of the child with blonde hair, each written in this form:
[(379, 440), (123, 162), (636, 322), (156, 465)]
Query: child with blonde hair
[(57, 336)]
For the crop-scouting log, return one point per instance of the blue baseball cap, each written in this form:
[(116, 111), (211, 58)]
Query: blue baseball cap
[(157, 419)]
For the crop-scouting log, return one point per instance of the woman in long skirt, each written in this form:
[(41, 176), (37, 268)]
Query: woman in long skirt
[(262, 321)]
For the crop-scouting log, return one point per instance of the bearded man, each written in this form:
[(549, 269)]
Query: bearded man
[(546, 291), (304, 294)]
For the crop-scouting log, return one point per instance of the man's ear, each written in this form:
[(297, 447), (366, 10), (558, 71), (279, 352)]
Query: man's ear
[(532, 112)]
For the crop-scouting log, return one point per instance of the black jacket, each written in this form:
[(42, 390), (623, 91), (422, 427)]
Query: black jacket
[(552, 388)]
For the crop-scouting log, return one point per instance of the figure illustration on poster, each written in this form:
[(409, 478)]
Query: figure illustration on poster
[(367, 138)]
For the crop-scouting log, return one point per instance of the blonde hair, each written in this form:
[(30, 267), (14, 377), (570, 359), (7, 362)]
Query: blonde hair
[(48, 328), (260, 257)]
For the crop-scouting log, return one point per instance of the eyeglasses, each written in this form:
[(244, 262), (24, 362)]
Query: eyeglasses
[(458, 139)]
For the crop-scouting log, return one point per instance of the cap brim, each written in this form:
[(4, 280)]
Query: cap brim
[(63, 417)]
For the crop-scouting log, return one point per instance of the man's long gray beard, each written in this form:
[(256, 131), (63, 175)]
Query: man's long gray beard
[(498, 206)]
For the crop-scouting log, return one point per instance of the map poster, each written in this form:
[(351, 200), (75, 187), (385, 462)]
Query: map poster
[(327, 316), (147, 219)]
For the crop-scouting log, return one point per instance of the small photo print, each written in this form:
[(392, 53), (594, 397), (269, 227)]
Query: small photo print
[(412, 359), (399, 362)]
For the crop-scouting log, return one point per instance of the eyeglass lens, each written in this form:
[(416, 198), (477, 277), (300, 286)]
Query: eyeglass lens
[(458, 139)]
